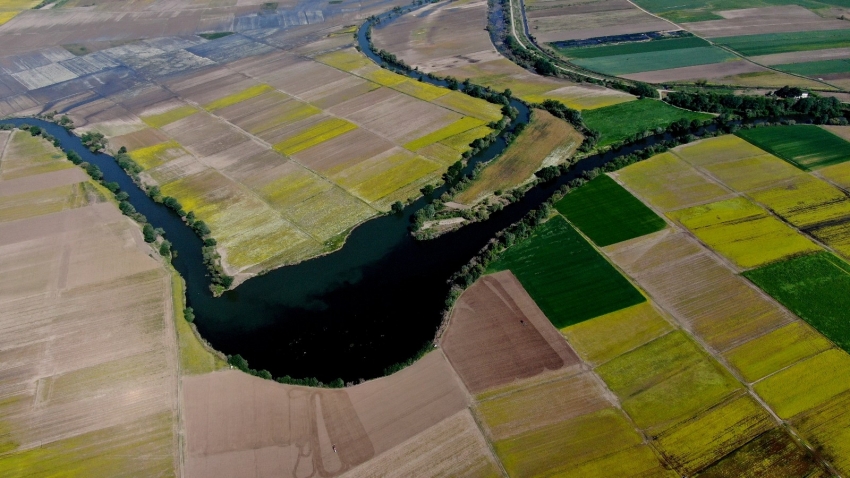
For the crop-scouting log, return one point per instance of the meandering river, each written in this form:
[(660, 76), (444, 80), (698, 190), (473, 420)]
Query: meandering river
[(349, 314)]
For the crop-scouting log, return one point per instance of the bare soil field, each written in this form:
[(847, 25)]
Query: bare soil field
[(802, 56), (753, 21), (75, 278), (704, 295), (497, 335), (597, 24), (699, 72), (450, 40), (235, 422)]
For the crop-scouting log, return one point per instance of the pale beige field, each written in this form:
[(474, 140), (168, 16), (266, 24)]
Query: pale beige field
[(753, 21), (450, 40), (89, 350)]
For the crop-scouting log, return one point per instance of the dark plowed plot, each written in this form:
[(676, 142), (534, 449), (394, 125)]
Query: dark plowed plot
[(805, 146), (607, 213), (498, 335), (566, 276), (772, 454)]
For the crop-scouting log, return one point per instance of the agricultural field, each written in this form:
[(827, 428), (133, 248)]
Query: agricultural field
[(546, 141), (607, 213), (560, 270), (773, 43), (805, 146), (449, 39), (662, 54), (550, 21), (752, 10), (620, 122), (514, 342), (11, 8), (813, 287), (743, 232), (76, 275)]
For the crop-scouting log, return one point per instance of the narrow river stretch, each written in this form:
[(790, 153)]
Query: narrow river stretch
[(349, 314)]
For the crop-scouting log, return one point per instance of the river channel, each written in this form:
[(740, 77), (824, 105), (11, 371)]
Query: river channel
[(349, 314)]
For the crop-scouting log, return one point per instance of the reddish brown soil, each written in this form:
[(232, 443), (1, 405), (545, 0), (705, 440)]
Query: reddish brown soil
[(497, 335)]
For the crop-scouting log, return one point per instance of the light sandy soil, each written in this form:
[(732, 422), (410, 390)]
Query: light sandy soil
[(699, 72), (88, 355), (497, 335), (753, 21), (803, 56), (238, 424)]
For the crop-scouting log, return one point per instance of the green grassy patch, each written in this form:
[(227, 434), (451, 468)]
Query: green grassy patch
[(816, 288), (770, 43), (214, 36), (607, 213), (620, 121), (634, 48), (815, 68), (701, 10), (805, 146), (655, 60), (567, 278)]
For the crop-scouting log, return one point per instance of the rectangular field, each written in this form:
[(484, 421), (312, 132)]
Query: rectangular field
[(633, 48), (771, 43), (816, 68), (497, 335), (619, 122), (546, 139), (631, 63), (743, 232), (607, 213), (816, 288), (805, 146), (560, 270), (805, 201), (667, 182), (828, 429), (673, 365)]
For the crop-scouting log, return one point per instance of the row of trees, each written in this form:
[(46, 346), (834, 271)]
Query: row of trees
[(239, 362), (817, 107)]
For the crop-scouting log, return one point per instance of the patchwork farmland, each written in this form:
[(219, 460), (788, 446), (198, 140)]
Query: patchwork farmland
[(683, 316)]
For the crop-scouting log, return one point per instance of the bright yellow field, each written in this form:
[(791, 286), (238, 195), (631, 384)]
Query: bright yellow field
[(442, 153), (6, 16), (287, 113), (421, 90), (318, 133), (462, 125), (805, 201), (778, 349), (603, 338), (170, 116), (706, 438), (666, 380), (581, 98), (155, 155), (460, 142), (743, 232), (384, 183), (714, 150), (806, 384), (667, 182), (558, 448), (243, 95), (346, 60), (828, 429), (836, 236), (754, 172), (469, 106), (838, 174), (384, 77)]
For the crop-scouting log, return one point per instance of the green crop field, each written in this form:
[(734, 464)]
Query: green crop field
[(805, 146), (618, 122), (815, 287), (634, 48), (815, 68), (702, 10), (655, 60), (607, 213), (770, 43), (567, 278)]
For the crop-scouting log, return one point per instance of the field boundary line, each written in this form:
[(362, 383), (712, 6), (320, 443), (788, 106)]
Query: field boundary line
[(718, 355), (739, 55)]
